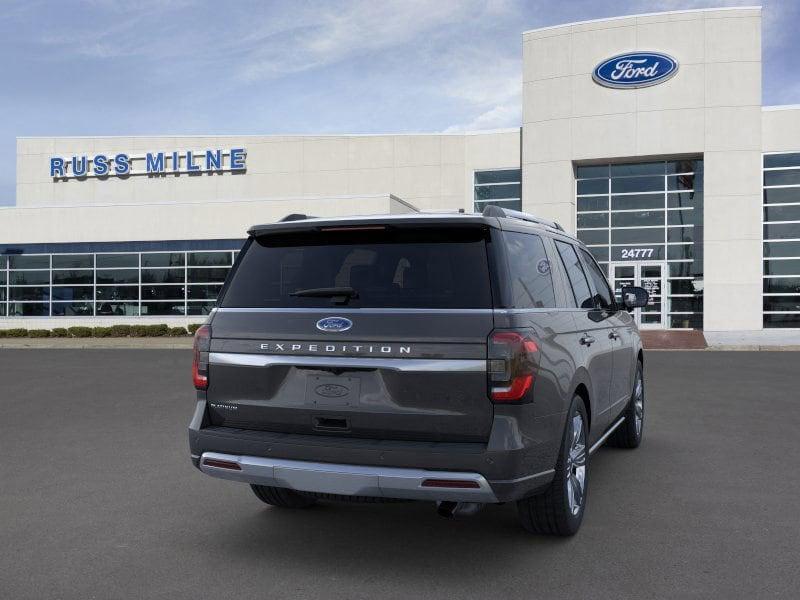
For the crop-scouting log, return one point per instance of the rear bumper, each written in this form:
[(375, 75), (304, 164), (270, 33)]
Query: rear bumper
[(513, 464), (349, 480)]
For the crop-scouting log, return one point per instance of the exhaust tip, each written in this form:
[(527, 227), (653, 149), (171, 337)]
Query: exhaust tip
[(456, 510)]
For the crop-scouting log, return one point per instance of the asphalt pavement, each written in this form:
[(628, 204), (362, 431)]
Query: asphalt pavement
[(98, 499)]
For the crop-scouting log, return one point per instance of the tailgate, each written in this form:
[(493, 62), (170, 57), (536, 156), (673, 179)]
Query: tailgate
[(412, 374), (374, 331)]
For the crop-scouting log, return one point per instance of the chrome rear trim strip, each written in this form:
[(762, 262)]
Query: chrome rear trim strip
[(366, 362), (349, 480), (611, 429), (374, 311)]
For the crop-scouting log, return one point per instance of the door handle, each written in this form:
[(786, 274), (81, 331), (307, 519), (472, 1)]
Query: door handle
[(587, 340), (613, 335)]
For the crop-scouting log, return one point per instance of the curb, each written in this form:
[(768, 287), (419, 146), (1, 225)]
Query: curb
[(165, 343)]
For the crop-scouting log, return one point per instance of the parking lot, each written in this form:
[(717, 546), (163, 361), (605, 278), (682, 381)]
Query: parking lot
[(98, 499)]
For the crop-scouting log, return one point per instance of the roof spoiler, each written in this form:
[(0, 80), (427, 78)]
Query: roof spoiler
[(496, 211)]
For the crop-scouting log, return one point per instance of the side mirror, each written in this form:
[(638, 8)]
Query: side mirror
[(634, 297)]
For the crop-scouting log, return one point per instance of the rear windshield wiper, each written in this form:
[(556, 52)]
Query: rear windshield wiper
[(338, 295)]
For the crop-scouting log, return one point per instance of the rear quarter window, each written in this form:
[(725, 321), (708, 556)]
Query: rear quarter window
[(529, 269), (388, 268)]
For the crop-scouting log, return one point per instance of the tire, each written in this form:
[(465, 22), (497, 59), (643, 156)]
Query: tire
[(629, 434), (282, 497), (559, 510)]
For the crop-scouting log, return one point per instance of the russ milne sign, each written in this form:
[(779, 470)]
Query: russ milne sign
[(151, 163), (635, 70)]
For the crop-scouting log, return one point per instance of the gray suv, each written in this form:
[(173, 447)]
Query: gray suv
[(463, 359)]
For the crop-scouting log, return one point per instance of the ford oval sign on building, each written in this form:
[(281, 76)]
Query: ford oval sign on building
[(635, 70)]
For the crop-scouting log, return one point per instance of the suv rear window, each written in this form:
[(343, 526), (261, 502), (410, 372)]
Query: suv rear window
[(388, 268)]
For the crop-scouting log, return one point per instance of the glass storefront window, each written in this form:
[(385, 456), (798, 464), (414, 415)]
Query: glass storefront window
[(112, 283), (648, 212), (501, 187), (781, 248)]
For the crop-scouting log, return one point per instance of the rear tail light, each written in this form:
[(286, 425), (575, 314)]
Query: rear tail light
[(202, 344), (512, 360)]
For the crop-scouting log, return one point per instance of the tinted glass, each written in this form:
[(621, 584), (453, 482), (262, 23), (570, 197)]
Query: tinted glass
[(577, 279), (203, 292), (117, 292), (636, 184), (637, 202), (73, 261), (782, 303), (117, 260), (208, 275), (162, 292), (679, 252), (23, 261), (401, 268), (782, 160), (600, 253), (782, 249), (684, 199), (638, 218), (199, 308), (782, 267), (656, 168), (593, 237), (680, 234), (73, 293), (529, 267), (782, 195), (497, 192), (592, 186), (29, 293), (782, 213), (162, 308), (682, 217), (788, 320), (499, 176), (637, 236), (782, 285), (28, 277), (593, 203), (118, 276), (681, 182), (790, 177), (73, 309), (603, 291), (163, 259), (587, 171), (60, 277), (209, 259), (593, 220), (163, 275), (117, 309), (782, 231), (28, 309)]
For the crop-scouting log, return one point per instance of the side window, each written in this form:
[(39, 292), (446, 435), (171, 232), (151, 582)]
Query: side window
[(577, 278), (531, 280), (603, 299)]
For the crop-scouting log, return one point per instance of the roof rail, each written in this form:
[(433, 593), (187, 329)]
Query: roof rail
[(496, 211), (295, 217)]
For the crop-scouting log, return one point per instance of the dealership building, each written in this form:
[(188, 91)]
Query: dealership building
[(645, 135)]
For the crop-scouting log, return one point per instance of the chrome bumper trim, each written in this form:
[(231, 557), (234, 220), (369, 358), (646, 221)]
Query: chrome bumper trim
[(366, 362), (348, 480)]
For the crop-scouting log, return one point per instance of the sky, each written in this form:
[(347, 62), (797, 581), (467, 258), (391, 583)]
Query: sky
[(158, 67)]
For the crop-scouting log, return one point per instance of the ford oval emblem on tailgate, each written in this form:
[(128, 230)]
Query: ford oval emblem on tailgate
[(334, 324), (332, 390)]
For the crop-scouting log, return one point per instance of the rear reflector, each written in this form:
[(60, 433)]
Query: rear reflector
[(451, 483), (222, 464)]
